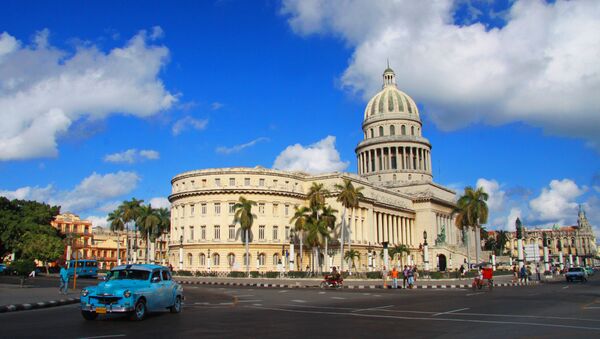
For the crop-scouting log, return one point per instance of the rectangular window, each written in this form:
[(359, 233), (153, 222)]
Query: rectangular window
[(261, 208), (192, 207), (287, 210), (261, 232), (191, 232), (261, 182), (247, 181), (275, 183), (231, 181), (203, 182), (218, 182), (203, 232), (231, 208), (287, 232), (183, 211), (217, 232), (275, 231), (231, 232), (217, 208), (275, 209), (203, 209)]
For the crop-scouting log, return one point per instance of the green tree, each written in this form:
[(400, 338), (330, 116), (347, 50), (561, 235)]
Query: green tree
[(131, 212), (351, 256), (147, 221), (164, 226), (22, 267), (299, 221), (473, 212), (397, 253), (501, 240), (243, 216), (42, 247), (349, 196), (317, 233), (115, 218)]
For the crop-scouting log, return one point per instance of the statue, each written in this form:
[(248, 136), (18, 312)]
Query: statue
[(519, 229), (441, 238)]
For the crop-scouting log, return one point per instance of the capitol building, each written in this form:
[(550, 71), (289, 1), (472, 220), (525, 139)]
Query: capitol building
[(401, 204)]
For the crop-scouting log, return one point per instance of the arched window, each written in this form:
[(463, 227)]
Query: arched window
[(380, 131), (261, 259), (231, 259), (392, 130), (247, 258), (216, 259), (202, 259), (412, 130), (403, 130), (372, 134), (275, 259), (190, 261)]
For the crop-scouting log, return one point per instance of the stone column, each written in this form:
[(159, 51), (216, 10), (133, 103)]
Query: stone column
[(546, 262), (180, 257), (292, 258), (493, 262), (561, 260), (570, 259), (477, 244)]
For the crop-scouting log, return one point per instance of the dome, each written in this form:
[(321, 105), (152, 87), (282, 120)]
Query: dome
[(391, 100)]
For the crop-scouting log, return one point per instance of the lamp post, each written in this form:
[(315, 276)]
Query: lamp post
[(519, 228), (370, 257), (330, 253), (209, 261), (181, 252), (292, 255), (257, 260), (546, 261)]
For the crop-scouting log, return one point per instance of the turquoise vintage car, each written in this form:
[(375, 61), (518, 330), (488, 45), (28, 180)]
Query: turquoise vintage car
[(132, 289)]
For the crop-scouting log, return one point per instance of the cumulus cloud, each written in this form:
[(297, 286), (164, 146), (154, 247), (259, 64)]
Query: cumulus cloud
[(540, 67), (512, 218), (90, 193), (238, 148), (495, 200), (44, 90), (320, 157), (132, 156), (160, 202), (188, 122), (556, 203), (98, 221)]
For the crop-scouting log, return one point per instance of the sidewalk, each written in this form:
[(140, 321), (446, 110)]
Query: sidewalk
[(36, 293)]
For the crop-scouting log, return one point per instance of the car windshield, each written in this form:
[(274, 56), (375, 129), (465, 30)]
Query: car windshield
[(128, 274), (575, 269)]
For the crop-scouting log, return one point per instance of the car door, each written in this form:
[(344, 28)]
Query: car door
[(168, 288), (154, 299)]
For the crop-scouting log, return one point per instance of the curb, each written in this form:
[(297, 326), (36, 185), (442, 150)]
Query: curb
[(360, 287), (33, 306)]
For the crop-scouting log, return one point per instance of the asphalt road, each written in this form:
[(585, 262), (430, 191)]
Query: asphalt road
[(550, 310)]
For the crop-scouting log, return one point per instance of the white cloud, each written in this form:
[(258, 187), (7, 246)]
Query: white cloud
[(320, 157), (495, 200), (98, 221), (557, 203), (238, 148), (216, 106), (541, 67), (132, 156), (512, 218), (188, 123), (90, 193), (160, 202), (157, 33), (44, 90)]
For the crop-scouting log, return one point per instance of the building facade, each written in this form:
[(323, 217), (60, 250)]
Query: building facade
[(577, 243), (401, 205), (78, 235)]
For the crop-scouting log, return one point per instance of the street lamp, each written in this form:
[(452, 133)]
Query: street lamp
[(181, 252), (425, 254), (370, 257)]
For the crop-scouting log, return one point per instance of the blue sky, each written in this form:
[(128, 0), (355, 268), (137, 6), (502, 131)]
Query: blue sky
[(104, 102)]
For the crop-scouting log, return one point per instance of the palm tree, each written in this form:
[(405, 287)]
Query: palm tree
[(243, 215), (316, 195), (164, 226), (351, 255), (299, 221), (115, 218), (131, 212), (317, 233), (329, 218), (349, 197), (473, 212), (147, 221), (501, 239), (399, 251)]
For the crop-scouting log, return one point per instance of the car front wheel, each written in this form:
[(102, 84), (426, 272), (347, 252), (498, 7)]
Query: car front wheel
[(87, 315), (139, 312), (176, 308)]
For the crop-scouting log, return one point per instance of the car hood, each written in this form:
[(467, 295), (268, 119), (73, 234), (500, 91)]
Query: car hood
[(112, 286)]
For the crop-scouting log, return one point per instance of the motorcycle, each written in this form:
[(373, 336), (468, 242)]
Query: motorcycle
[(480, 283), (331, 282)]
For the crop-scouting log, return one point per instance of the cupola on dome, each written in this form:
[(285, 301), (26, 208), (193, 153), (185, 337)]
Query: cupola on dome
[(391, 100)]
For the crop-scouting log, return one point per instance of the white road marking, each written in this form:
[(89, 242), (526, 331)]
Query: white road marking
[(249, 301), (564, 288), (225, 303), (376, 295), (590, 308), (105, 336), (284, 291), (470, 294), (322, 292), (432, 319), (245, 295), (202, 303), (298, 301), (366, 293), (453, 311), (339, 298), (256, 304), (373, 308)]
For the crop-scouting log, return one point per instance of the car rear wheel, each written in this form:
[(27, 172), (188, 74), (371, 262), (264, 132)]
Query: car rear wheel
[(139, 312), (87, 315), (176, 308)]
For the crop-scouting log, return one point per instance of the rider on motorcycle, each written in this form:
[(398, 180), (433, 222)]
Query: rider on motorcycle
[(335, 275)]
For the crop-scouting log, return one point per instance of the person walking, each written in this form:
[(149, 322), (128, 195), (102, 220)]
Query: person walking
[(515, 278), (462, 271), (523, 274), (404, 276), (394, 275), (411, 277), (64, 280)]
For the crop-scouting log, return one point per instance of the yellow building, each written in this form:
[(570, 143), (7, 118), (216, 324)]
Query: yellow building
[(401, 202), (78, 235)]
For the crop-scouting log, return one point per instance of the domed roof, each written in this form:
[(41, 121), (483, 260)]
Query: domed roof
[(391, 100)]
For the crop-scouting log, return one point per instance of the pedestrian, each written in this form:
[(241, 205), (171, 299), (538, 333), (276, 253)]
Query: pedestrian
[(170, 267), (523, 274), (404, 276), (537, 271), (64, 280), (415, 273), (462, 271), (411, 277), (394, 275), (528, 274)]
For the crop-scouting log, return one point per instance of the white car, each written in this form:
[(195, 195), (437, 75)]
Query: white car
[(576, 273)]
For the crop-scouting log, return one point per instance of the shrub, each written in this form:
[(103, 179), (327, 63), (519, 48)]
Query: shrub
[(237, 274), (272, 274), (183, 273), (254, 274), (205, 274), (22, 267), (374, 275), (297, 274)]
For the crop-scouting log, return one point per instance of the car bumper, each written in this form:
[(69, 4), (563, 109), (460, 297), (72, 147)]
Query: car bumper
[(109, 308)]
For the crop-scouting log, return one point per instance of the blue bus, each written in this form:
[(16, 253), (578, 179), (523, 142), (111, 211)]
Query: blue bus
[(85, 268)]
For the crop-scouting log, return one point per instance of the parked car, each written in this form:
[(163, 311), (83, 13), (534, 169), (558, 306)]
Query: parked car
[(2, 268), (134, 290), (589, 271), (576, 273)]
